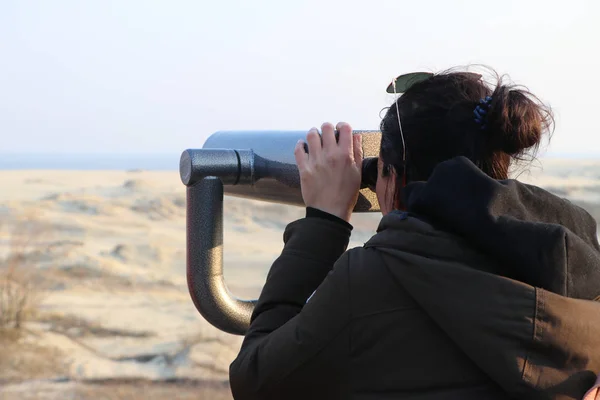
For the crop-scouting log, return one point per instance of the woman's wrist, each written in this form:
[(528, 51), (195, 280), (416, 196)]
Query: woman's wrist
[(312, 212)]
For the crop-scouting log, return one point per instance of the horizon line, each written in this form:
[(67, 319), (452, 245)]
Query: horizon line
[(108, 154)]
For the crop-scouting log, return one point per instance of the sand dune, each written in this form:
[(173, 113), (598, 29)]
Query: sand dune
[(110, 261)]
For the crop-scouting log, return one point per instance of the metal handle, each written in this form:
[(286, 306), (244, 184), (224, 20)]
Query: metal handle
[(205, 260), (204, 172)]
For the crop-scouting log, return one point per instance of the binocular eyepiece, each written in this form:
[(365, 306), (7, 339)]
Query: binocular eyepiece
[(369, 173)]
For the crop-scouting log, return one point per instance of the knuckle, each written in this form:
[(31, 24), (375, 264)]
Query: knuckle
[(305, 174), (339, 158), (312, 135)]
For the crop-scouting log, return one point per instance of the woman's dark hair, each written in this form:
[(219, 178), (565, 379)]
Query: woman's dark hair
[(438, 124)]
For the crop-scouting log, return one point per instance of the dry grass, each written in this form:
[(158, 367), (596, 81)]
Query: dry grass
[(27, 245), (19, 295), (20, 298)]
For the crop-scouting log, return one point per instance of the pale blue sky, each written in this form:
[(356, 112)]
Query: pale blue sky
[(160, 76)]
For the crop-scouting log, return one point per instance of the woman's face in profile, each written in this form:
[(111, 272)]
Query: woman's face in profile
[(385, 189)]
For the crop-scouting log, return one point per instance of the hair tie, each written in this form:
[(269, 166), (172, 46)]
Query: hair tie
[(481, 110)]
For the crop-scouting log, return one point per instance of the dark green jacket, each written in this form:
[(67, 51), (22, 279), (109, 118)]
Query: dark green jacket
[(484, 289)]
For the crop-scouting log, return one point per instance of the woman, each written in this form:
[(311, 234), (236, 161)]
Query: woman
[(474, 287)]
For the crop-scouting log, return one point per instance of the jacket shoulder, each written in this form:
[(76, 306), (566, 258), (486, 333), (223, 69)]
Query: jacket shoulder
[(372, 287)]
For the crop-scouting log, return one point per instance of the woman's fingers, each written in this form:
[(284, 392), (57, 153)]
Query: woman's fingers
[(330, 173), (345, 138), (300, 155), (328, 136), (314, 144)]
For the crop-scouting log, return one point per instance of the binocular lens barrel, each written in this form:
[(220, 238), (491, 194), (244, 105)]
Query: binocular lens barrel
[(261, 165)]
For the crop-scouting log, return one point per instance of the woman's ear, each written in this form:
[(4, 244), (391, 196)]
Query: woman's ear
[(399, 184), (393, 189)]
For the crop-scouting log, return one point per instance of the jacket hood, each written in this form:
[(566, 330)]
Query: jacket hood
[(539, 238), (507, 271)]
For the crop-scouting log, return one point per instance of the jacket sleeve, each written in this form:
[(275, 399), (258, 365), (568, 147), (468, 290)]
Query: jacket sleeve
[(293, 346)]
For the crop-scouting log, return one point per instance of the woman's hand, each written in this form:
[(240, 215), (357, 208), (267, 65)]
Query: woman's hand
[(330, 173)]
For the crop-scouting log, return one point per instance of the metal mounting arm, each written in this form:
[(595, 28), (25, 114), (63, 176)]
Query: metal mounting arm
[(203, 172), (205, 279)]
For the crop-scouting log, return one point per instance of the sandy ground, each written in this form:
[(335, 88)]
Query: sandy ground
[(115, 320)]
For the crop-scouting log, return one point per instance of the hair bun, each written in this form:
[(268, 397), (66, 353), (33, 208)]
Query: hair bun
[(517, 120)]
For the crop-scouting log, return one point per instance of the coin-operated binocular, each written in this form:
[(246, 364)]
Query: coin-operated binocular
[(258, 165)]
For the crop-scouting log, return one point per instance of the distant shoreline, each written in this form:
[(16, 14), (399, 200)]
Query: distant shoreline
[(146, 162), (89, 162)]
